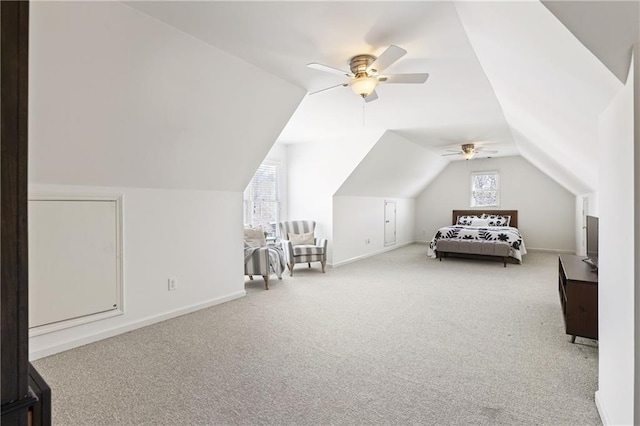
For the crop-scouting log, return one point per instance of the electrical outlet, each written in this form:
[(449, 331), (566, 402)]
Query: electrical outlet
[(173, 284)]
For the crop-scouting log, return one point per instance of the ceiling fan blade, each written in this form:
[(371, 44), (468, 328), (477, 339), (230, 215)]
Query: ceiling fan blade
[(486, 151), (454, 153), (404, 78), (372, 97), (388, 57), (327, 88), (327, 68)]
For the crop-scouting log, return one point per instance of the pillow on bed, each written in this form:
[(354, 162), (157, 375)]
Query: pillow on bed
[(305, 239), (498, 220), (469, 220), (480, 222), (484, 220)]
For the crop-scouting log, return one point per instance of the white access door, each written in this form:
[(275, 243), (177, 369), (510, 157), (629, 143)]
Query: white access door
[(389, 223), (74, 260)]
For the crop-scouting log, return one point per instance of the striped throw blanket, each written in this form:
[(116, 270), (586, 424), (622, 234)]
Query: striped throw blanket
[(276, 259)]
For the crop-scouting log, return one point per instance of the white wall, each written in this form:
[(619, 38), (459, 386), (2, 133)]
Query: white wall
[(617, 257), (122, 103), (194, 236), (546, 210), (357, 219), (636, 169), (316, 171)]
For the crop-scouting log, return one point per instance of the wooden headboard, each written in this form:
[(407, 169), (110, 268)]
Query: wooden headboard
[(512, 213)]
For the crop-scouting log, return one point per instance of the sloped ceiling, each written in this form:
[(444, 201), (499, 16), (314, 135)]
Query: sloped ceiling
[(378, 176), (120, 99), (607, 28), (456, 104), (504, 72), (551, 88)]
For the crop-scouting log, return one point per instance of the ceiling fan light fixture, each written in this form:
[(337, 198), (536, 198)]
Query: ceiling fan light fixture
[(468, 151), (363, 86)]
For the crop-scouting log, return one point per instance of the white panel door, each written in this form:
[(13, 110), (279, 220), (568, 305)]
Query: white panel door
[(73, 259), (583, 234), (389, 223)]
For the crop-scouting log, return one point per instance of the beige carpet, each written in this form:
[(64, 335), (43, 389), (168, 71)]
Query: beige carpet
[(392, 340)]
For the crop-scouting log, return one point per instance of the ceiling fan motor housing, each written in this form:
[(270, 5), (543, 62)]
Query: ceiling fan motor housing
[(468, 148), (359, 64)]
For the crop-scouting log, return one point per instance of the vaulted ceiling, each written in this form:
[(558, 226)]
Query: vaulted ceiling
[(508, 73)]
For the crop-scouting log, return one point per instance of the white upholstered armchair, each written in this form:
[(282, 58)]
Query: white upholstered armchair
[(300, 245)]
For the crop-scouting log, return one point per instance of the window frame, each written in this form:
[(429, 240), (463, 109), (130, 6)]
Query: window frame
[(472, 191), (248, 201)]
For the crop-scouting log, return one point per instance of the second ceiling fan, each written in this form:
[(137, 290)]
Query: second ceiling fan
[(470, 150), (365, 75)]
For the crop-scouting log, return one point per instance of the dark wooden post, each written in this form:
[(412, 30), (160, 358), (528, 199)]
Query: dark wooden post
[(14, 49)]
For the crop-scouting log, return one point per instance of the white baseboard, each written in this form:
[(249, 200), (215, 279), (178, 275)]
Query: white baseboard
[(601, 410), (386, 249), (132, 326), (375, 253), (547, 250)]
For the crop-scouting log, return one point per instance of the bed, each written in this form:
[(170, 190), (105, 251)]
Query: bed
[(486, 234)]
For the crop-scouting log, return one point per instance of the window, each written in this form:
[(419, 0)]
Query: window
[(485, 189), (262, 199)]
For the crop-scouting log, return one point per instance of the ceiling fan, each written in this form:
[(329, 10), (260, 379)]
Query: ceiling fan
[(365, 73), (469, 150)]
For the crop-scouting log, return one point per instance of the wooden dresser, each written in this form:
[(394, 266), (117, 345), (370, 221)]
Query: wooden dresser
[(578, 289)]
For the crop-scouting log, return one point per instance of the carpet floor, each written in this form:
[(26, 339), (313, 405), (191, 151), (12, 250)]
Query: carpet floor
[(395, 339)]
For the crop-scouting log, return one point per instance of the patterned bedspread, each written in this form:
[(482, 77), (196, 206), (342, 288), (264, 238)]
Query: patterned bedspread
[(505, 234)]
